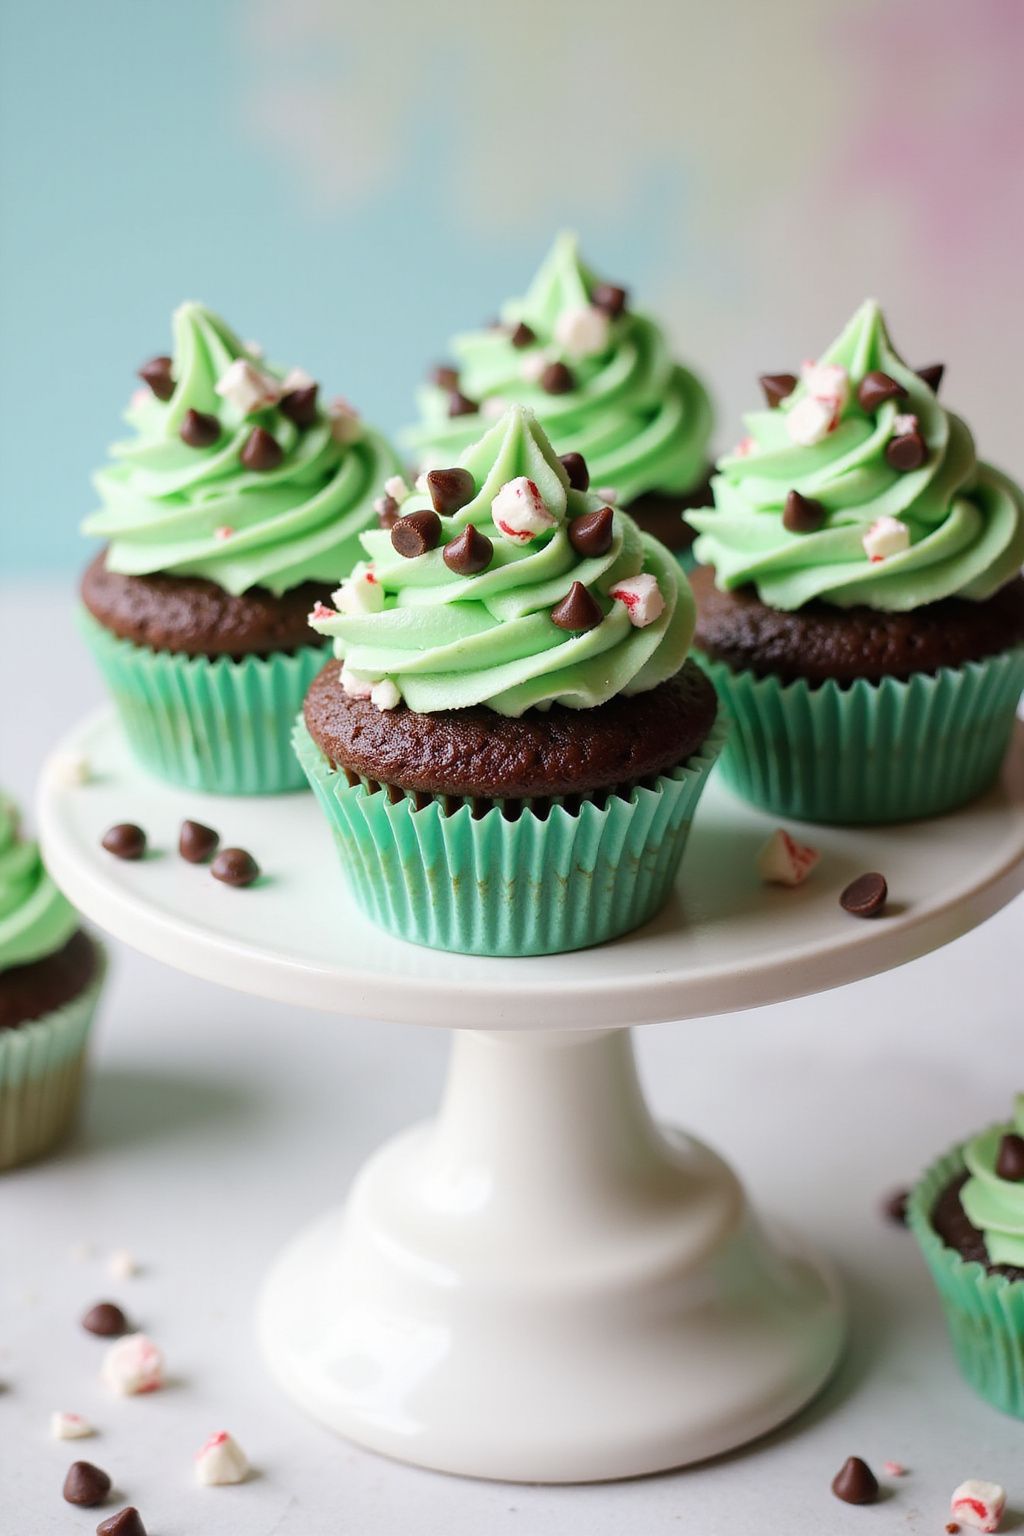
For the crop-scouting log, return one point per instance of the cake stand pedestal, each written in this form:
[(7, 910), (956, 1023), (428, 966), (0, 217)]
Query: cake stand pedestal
[(541, 1284)]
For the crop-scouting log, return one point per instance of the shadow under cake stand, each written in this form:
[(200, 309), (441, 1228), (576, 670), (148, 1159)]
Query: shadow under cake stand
[(541, 1284)]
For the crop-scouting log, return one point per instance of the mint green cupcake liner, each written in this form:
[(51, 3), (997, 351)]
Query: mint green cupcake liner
[(41, 1069), (870, 752), (488, 885), (210, 724), (984, 1313)]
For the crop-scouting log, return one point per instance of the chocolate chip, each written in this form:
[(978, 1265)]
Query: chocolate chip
[(894, 1207), (556, 379), (127, 1522), (523, 336), (1010, 1161), (591, 533), (416, 532), (575, 466), (197, 843), (855, 1483), (125, 841), (450, 489), (906, 452), (578, 610), (875, 388), (157, 374), (951, 1528), (445, 377), (388, 511), (610, 298), (262, 451), (777, 387), (234, 866), (468, 554), (86, 1485), (801, 514), (199, 430), (106, 1320), (300, 406), (931, 375), (865, 896), (460, 404)]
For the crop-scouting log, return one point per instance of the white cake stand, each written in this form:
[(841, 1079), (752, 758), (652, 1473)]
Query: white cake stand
[(541, 1284)]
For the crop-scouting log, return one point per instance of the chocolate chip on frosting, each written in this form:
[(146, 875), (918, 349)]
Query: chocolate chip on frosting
[(578, 610), (261, 451), (460, 404), (445, 376), (235, 866), (875, 388), (157, 374), (931, 375), (855, 1483), (591, 533), (575, 466), (469, 553), (906, 452), (1010, 1158), (388, 511), (416, 533), (801, 514), (299, 405), (556, 379), (199, 429), (865, 896), (125, 840), (609, 297), (777, 387), (450, 489), (523, 336)]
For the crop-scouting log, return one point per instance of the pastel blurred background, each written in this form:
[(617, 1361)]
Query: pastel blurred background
[(350, 184)]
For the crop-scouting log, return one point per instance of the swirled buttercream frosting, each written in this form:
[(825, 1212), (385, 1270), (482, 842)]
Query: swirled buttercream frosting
[(994, 1203), (855, 486), (35, 919), (500, 584), (236, 471), (597, 374)]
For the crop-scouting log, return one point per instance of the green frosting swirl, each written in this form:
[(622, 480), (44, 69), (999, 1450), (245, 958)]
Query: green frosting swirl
[(449, 641), (641, 421), (166, 506), (994, 1205), (35, 919), (964, 518)]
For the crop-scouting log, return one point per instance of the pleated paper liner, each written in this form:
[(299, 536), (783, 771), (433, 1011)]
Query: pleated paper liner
[(41, 1069), (438, 874), (210, 724), (984, 1313), (870, 752)]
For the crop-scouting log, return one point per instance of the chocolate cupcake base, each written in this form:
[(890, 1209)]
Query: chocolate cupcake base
[(29, 991)]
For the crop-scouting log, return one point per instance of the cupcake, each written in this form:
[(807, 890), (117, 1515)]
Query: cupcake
[(600, 379), (51, 973), (967, 1213), (511, 742), (236, 505), (862, 614)]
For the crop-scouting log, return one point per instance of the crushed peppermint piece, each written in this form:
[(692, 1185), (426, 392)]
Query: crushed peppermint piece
[(296, 378), (247, 387), (894, 1469), (519, 511), (346, 426), (70, 1426), (903, 423), (811, 420), (642, 597), (744, 448), (122, 1264), (355, 687), (133, 1365), (385, 694), (396, 488), (360, 592), (70, 769), (582, 330), (532, 366), (886, 536), (784, 861), (609, 493), (826, 381), (978, 1504), (320, 612), (225, 531), (493, 407), (221, 1461), (139, 397)]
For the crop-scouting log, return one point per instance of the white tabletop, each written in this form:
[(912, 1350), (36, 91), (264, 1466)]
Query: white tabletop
[(217, 1124)]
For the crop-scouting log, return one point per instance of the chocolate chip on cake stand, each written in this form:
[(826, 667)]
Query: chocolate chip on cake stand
[(235, 866), (866, 896), (125, 840), (196, 842), (106, 1320), (855, 1483)]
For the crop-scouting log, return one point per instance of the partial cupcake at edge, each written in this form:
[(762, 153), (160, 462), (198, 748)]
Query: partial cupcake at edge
[(51, 974), (236, 504), (598, 375), (511, 742), (862, 611)]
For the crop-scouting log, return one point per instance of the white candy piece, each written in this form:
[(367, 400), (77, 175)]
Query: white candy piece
[(296, 378), (139, 397), (133, 1365), (122, 1264), (582, 330), (642, 597), (396, 488), (744, 448), (253, 348), (385, 694), (901, 425), (221, 1461), (70, 769), (532, 366), (344, 419), (493, 407), (519, 511), (886, 536), (320, 613), (247, 387), (70, 1426), (784, 861), (826, 381), (354, 686), (608, 493), (811, 420), (978, 1504), (361, 592)]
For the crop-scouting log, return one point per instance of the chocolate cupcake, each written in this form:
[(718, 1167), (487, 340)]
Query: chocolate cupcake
[(511, 741), (967, 1213), (236, 506), (600, 379), (862, 615), (51, 973)]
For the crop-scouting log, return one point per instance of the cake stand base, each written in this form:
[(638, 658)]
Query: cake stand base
[(544, 1286)]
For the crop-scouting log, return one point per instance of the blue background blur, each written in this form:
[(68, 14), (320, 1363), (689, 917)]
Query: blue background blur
[(349, 185)]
